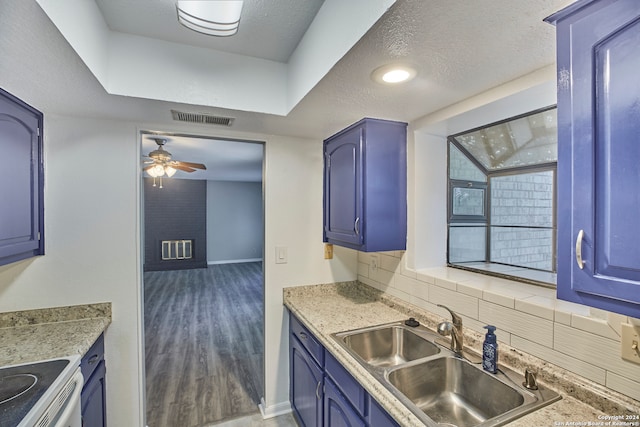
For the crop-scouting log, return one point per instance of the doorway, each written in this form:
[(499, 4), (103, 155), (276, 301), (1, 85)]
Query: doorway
[(203, 281)]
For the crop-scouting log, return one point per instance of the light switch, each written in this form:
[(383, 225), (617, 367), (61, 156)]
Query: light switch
[(630, 343), (281, 255)]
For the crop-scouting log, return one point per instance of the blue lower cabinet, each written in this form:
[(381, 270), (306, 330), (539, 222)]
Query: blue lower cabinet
[(378, 417), (322, 392), (93, 399), (337, 411), (306, 381)]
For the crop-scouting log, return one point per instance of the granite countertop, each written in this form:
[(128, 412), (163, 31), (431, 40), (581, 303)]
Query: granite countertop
[(33, 335), (331, 308)]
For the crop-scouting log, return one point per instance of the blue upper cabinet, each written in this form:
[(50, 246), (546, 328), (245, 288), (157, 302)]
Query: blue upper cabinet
[(599, 154), (365, 186), (21, 180)]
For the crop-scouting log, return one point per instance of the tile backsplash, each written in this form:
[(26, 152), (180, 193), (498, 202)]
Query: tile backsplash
[(529, 318)]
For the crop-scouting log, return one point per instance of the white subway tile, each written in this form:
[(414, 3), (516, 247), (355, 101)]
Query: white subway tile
[(537, 305), (424, 277), (565, 309), (595, 326), (469, 288), (565, 361), (535, 328), (616, 320), (389, 263), (364, 257), (373, 283), (594, 349), (505, 295), (383, 276), (457, 302), (363, 269), (624, 385), (405, 284)]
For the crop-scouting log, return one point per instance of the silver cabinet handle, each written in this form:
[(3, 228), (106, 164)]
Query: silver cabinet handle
[(579, 250), (303, 335), (356, 227), (318, 390)]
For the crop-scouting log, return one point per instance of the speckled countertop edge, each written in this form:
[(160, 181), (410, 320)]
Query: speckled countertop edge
[(33, 335), (337, 307)]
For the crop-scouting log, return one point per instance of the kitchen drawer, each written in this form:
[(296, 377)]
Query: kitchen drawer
[(350, 388), (92, 358), (308, 341)]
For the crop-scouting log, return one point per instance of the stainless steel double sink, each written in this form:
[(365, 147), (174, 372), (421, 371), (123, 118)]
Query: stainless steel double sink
[(437, 385)]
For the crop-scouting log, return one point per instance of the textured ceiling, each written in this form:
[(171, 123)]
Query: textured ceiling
[(460, 49), (269, 29)]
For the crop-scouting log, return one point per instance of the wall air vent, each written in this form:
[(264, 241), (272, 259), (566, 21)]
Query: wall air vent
[(206, 119)]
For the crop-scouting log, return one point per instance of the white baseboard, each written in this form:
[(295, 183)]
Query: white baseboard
[(234, 261), (281, 408)]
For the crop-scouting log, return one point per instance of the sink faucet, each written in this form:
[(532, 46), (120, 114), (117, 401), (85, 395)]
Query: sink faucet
[(453, 328)]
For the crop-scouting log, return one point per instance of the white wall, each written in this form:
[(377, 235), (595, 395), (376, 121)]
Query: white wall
[(293, 217), (235, 230), (93, 243)]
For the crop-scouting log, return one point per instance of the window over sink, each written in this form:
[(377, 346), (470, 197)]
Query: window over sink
[(502, 198)]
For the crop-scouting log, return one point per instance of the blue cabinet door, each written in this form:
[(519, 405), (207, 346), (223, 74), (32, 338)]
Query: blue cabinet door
[(305, 382), (93, 405), (343, 187), (21, 180), (337, 411), (378, 417), (599, 154), (365, 186)]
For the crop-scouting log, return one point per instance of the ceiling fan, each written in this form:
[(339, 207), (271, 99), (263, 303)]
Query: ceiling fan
[(160, 163)]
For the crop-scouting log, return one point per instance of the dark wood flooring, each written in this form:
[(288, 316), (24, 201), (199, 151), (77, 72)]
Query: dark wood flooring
[(204, 344)]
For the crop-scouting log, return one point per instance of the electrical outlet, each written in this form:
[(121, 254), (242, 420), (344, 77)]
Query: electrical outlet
[(375, 262), (328, 251), (630, 343)]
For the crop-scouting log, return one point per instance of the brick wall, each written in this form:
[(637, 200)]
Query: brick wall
[(175, 212), (522, 200)]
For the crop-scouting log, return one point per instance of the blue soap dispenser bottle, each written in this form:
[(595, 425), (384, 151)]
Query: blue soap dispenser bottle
[(490, 350)]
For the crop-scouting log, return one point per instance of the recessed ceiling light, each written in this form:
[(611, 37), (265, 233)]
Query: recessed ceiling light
[(393, 73)]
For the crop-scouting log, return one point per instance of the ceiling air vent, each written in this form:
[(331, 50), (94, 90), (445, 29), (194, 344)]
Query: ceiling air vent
[(206, 119)]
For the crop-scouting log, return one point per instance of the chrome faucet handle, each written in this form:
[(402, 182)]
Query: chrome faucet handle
[(457, 320), (530, 381)]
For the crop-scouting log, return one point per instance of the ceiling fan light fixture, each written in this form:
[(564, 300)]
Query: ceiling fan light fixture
[(169, 171), (393, 74), (210, 17), (156, 171)]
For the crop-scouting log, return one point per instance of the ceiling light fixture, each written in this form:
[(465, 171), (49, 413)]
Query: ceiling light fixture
[(159, 170), (213, 18), (393, 73)]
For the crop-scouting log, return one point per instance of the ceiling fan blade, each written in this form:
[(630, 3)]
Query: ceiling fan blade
[(182, 168), (146, 168), (193, 165)]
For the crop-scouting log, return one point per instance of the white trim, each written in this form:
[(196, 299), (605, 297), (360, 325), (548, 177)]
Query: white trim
[(234, 261), (272, 411)]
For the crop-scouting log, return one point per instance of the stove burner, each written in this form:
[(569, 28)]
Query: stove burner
[(21, 386), (13, 386)]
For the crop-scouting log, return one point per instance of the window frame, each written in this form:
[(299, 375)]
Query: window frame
[(486, 219)]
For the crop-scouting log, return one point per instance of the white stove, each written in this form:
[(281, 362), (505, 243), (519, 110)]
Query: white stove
[(41, 394)]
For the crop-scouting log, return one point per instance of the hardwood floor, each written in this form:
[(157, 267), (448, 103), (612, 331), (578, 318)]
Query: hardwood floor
[(204, 344)]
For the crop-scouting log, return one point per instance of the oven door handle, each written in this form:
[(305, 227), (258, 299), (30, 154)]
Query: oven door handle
[(73, 403)]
